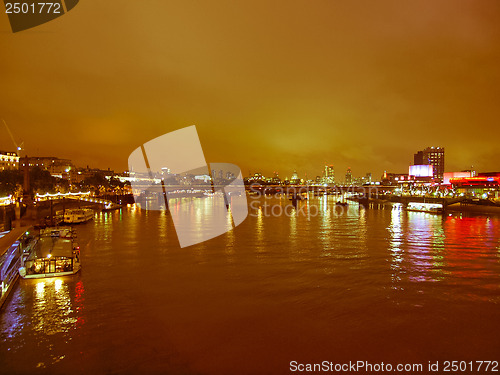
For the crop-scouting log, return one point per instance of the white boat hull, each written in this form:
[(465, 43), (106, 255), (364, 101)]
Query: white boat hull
[(78, 216), (430, 208)]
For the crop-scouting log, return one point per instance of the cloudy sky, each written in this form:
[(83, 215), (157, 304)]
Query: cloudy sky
[(271, 85)]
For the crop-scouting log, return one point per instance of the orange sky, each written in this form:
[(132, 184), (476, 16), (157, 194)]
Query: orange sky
[(271, 85)]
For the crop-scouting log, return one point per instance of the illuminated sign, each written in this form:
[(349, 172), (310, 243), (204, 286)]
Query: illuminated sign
[(421, 170)]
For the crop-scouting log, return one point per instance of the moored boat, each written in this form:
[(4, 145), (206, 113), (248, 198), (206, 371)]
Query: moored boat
[(55, 254), (78, 215), (433, 208), (13, 246)]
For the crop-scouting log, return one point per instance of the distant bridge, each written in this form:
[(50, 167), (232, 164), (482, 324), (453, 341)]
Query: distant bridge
[(445, 201), (298, 189)]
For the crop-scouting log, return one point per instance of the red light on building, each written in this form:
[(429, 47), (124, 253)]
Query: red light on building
[(475, 181)]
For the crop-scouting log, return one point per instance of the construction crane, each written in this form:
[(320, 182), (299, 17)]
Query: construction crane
[(19, 147)]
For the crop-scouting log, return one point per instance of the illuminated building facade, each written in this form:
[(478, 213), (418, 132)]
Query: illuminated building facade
[(421, 172), (56, 166), (329, 173), (8, 160), (295, 180), (484, 185), (395, 178), (451, 175), (368, 178), (431, 156)]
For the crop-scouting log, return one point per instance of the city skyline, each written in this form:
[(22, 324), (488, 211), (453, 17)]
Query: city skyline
[(328, 171), (309, 171), (328, 84), (256, 187)]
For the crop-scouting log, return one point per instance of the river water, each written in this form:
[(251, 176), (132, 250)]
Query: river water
[(308, 285)]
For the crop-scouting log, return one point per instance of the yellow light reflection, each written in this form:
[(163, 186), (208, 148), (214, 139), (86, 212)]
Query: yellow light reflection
[(40, 290), (58, 285), (52, 307)]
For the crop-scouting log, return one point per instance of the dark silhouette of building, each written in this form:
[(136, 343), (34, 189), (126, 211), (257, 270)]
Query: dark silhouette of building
[(418, 158)]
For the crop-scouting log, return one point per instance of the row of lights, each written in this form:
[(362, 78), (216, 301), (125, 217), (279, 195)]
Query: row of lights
[(59, 195), (5, 201)]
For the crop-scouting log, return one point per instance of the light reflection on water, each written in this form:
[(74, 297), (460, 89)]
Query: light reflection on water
[(52, 307), (41, 318), (380, 284), (452, 250)]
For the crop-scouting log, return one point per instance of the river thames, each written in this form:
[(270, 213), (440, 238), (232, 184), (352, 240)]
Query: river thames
[(379, 285)]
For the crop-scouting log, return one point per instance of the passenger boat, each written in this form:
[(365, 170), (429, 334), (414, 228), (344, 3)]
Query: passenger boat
[(55, 254), (13, 245), (433, 208), (78, 215)]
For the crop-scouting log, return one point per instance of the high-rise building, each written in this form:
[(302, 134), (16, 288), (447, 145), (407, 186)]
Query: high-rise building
[(368, 178), (329, 177), (431, 156), (348, 177)]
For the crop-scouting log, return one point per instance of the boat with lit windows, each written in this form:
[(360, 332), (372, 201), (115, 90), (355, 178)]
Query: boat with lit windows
[(13, 245), (55, 253), (78, 215), (433, 208)]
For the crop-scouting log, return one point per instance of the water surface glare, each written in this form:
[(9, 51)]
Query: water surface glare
[(366, 284)]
